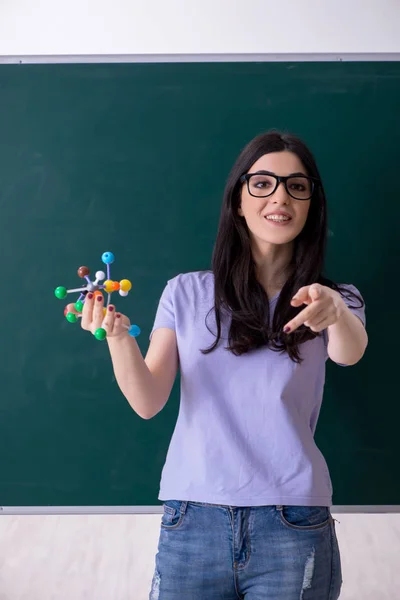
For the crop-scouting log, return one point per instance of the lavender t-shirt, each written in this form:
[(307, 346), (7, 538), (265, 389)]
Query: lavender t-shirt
[(245, 430)]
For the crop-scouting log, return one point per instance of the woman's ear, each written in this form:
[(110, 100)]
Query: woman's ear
[(240, 212)]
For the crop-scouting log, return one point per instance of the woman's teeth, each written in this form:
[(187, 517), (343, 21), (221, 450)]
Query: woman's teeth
[(277, 218)]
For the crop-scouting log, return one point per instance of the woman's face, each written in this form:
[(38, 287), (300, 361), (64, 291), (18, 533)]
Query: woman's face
[(278, 218)]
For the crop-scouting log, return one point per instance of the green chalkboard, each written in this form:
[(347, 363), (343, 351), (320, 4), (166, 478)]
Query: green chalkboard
[(133, 158)]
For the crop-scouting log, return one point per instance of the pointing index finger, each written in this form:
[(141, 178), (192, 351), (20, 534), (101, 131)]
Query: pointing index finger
[(300, 319)]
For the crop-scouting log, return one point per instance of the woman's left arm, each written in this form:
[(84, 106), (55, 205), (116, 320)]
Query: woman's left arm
[(347, 338), (326, 309)]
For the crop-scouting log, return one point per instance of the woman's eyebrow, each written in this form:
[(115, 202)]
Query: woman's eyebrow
[(263, 172), (298, 174)]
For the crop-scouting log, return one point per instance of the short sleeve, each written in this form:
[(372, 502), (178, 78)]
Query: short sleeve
[(355, 303), (165, 316)]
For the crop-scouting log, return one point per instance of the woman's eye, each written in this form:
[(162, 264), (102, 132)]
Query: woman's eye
[(262, 183), (298, 187)]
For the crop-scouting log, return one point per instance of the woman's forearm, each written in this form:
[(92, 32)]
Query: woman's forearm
[(134, 377), (347, 339)]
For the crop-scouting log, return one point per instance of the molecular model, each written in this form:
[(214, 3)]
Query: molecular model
[(96, 287)]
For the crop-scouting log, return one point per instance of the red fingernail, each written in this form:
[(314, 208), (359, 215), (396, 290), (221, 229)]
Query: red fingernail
[(286, 329), (90, 296), (110, 308), (99, 298), (118, 316)]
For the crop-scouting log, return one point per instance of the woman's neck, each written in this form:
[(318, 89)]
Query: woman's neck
[(273, 266)]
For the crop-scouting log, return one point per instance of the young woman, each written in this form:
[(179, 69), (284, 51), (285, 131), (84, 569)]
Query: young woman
[(246, 491)]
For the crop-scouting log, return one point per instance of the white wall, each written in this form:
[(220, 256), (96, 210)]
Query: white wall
[(54, 27)]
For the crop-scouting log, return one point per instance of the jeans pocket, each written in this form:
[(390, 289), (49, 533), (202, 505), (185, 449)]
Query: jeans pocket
[(173, 515), (305, 518)]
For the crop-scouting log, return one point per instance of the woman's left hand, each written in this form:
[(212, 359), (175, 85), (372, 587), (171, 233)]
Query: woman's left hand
[(324, 308)]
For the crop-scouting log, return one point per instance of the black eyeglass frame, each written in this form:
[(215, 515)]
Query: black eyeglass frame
[(280, 179)]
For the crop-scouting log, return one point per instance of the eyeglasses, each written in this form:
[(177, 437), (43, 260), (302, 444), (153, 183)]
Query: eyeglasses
[(264, 184)]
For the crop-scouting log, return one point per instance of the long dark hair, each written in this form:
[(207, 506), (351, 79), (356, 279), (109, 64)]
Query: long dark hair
[(238, 292)]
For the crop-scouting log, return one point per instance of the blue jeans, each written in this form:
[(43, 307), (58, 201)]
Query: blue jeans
[(209, 552)]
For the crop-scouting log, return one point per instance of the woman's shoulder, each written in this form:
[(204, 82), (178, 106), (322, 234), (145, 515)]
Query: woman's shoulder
[(353, 299), (350, 293), (195, 284), (193, 278)]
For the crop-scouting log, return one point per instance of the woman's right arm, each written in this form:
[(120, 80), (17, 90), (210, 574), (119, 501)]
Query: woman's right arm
[(145, 383)]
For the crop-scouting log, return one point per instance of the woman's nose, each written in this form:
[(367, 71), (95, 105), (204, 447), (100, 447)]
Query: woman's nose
[(280, 196)]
